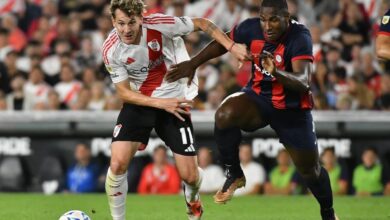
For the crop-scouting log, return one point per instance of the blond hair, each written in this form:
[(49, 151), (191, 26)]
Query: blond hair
[(130, 7)]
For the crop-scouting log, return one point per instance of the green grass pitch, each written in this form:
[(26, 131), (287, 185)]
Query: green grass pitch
[(37, 206)]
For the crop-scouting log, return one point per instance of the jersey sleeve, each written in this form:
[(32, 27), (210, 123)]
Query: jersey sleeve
[(118, 72), (169, 25), (302, 47), (384, 29), (239, 34)]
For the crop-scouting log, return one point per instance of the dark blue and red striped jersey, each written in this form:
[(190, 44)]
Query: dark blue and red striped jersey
[(385, 24), (295, 44)]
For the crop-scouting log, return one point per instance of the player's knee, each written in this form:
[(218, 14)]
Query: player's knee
[(224, 117), (309, 172), (118, 167), (191, 178)]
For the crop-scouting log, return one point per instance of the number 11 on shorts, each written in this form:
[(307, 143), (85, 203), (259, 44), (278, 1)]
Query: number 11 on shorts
[(184, 136)]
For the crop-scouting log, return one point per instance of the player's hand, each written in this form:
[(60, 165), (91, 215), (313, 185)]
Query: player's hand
[(241, 53), (181, 70), (267, 61), (175, 106)]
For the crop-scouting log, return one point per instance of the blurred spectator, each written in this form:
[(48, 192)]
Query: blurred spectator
[(383, 102), (372, 78), (354, 29), (4, 79), (3, 102), (31, 56), (152, 7), (368, 177), (87, 57), (5, 46), (113, 103), (337, 175), (10, 64), (88, 77), (87, 12), (215, 97), (36, 89), (254, 173), (210, 73), (363, 98), (53, 102), (51, 65), (280, 179), (16, 100), (213, 177), (159, 177), (16, 38), (68, 88), (97, 100), (228, 80), (83, 175)]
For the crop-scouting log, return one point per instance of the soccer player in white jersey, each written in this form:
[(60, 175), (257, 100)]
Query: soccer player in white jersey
[(137, 53)]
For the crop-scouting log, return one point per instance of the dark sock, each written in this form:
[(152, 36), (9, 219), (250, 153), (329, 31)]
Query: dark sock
[(322, 191), (228, 141)]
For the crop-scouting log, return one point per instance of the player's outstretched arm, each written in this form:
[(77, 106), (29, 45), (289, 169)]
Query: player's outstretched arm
[(175, 106), (188, 68), (383, 47), (207, 26), (298, 80)]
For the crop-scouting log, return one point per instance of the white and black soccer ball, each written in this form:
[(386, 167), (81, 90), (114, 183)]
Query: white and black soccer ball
[(75, 215)]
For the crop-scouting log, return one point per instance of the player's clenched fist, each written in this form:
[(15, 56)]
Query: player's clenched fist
[(268, 63), (240, 51)]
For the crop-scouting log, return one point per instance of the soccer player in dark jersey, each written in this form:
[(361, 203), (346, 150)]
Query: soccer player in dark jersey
[(383, 38), (278, 94)]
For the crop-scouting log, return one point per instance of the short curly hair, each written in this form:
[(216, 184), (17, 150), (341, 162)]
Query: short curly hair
[(130, 7)]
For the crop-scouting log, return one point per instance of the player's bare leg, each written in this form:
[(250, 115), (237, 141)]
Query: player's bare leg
[(191, 175), (316, 178), (116, 181), (237, 112)]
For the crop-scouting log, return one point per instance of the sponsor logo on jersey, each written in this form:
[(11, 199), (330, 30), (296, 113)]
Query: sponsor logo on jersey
[(154, 45), (385, 19), (278, 58), (117, 129)]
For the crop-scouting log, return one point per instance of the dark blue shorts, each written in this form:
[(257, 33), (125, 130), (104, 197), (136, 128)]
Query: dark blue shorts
[(294, 127)]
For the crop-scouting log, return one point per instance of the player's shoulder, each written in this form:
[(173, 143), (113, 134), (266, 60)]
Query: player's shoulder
[(298, 28), (110, 45), (158, 19)]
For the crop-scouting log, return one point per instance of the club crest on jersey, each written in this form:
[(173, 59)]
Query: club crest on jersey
[(278, 58), (117, 129), (154, 45), (385, 19)]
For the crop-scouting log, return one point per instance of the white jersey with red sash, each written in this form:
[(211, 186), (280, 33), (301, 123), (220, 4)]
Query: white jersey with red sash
[(146, 64)]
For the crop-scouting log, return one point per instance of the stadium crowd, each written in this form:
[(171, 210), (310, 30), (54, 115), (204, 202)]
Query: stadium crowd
[(365, 175), (50, 52)]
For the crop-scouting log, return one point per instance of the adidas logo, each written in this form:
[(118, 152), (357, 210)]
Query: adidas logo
[(190, 149)]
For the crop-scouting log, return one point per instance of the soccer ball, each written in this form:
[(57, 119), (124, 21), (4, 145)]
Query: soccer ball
[(75, 215)]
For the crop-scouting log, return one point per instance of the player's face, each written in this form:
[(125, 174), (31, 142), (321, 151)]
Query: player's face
[(128, 27), (273, 24)]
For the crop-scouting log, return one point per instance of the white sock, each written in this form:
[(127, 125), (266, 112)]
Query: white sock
[(116, 190), (191, 192)]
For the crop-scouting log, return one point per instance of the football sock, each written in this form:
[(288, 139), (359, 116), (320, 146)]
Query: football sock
[(116, 190), (322, 191), (228, 141), (191, 192)]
